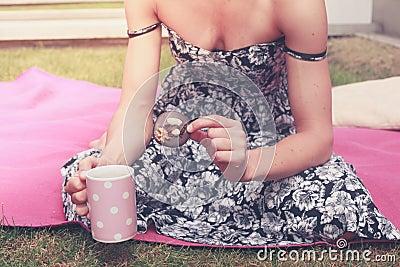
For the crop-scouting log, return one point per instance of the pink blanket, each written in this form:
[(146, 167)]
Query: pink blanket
[(46, 119)]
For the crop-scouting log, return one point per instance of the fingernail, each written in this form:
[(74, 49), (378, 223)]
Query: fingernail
[(189, 128)]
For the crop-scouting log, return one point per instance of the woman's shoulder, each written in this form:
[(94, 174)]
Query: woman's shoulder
[(298, 13), (303, 22), (141, 13)]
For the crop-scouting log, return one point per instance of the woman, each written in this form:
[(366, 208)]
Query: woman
[(309, 194)]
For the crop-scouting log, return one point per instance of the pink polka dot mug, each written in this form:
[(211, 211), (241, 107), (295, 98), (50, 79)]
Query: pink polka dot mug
[(112, 203)]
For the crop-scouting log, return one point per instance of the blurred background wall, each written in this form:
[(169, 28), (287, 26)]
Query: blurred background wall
[(387, 14)]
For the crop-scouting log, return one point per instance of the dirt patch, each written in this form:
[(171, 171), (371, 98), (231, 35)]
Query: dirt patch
[(364, 58)]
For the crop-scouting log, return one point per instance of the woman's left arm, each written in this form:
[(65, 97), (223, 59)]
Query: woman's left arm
[(304, 24)]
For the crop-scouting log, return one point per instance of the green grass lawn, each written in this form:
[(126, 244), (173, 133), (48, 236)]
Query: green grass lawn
[(100, 65), (351, 59)]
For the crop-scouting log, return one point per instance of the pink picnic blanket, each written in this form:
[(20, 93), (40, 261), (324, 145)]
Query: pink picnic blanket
[(46, 119)]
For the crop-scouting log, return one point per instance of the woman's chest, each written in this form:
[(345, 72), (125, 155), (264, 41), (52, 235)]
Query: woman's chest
[(220, 24)]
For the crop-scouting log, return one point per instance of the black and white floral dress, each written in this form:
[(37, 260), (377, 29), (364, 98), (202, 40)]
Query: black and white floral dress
[(318, 204)]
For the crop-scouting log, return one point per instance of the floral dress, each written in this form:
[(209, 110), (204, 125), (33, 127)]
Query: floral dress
[(195, 204)]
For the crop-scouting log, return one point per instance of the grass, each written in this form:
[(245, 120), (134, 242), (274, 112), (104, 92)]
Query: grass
[(73, 246), (63, 6), (357, 59), (351, 59), (77, 63)]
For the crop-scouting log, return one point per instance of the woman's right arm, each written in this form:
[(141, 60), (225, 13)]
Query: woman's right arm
[(136, 101)]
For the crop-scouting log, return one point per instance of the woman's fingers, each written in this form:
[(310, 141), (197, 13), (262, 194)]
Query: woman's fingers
[(215, 127), (78, 181), (212, 121), (222, 144), (210, 147), (75, 184), (219, 133), (198, 136), (87, 164), (79, 197), (82, 209), (220, 150), (224, 134)]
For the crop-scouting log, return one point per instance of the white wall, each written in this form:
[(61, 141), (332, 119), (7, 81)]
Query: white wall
[(386, 13), (349, 11)]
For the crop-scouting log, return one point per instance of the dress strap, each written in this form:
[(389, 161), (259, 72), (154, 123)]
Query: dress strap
[(132, 34), (304, 56)]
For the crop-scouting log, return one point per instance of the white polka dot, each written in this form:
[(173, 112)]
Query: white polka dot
[(129, 221), (117, 237), (107, 185), (125, 195), (114, 210), (96, 197), (100, 224)]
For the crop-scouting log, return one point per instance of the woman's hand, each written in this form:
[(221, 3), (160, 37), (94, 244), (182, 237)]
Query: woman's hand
[(225, 141), (76, 186)]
